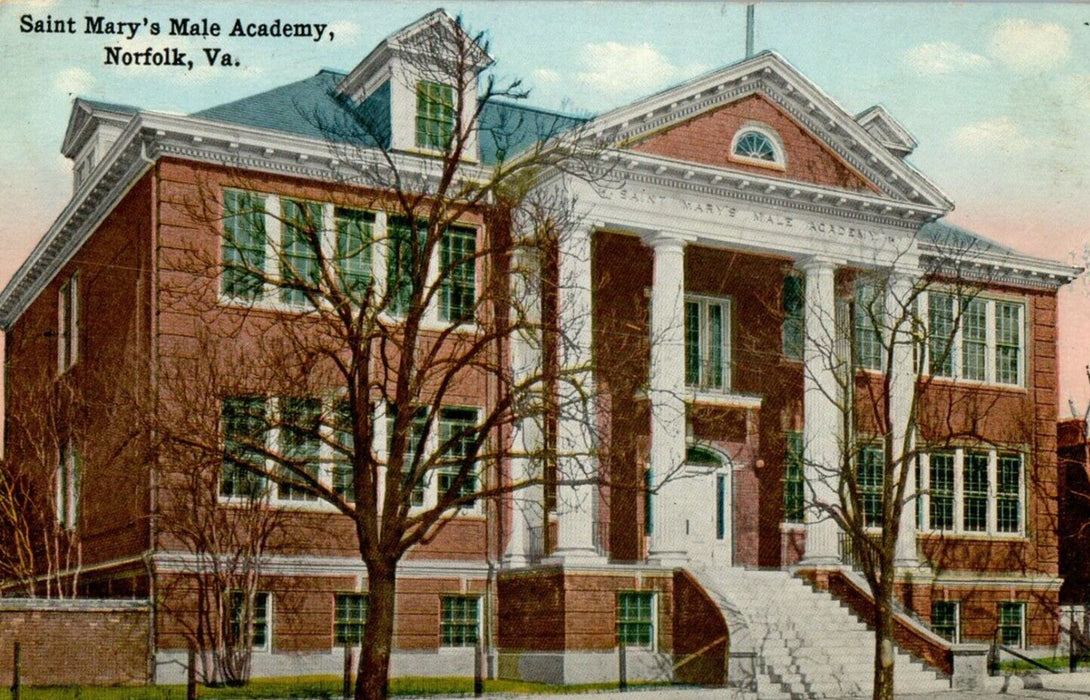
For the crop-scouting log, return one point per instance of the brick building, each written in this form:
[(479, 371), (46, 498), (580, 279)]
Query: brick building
[(751, 225)]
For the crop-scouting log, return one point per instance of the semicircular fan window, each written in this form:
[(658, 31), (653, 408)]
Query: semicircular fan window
[(754, 144)]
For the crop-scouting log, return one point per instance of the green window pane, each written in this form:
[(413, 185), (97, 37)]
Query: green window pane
[(1008, 342), (794, 304), (794, 485), (974, 340), (459, 621), (458, 268), (300, 421), (353, 256), (256, 615), (944, 619), (434, 115), (459, 438), (692, 343), (635, 619), (1010, 623), (344, 448), (244, 429), (942, 491), (1009, 493), (413, 444), (350, 614), (869, 319), (870, 475), (300, 236), (243, 244), (715, 347), (975, 492), (940, 315), (402, 261)]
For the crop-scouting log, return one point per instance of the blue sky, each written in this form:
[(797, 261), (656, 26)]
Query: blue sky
[(998, 95)]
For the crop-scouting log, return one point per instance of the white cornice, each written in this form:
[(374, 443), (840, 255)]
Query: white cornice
[(309, 565), (150, 135), (772, 76)]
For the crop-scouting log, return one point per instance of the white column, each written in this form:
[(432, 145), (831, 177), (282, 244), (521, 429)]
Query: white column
[(577, 424), (667, 397), (823, 412), (527, 516), (902, 387)]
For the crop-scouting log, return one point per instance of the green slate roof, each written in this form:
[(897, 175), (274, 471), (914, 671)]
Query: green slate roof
[(311, 108), (961, 239)]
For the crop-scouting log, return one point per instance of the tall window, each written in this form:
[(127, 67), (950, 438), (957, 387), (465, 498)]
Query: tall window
[(636, 619), (243, 244), (413, 448), (353, 257), (944, 619), (300, 443), (940, 324), (434, 115), (402, 261), (1012, 624), (349, 616), (343, 471), (458, 437), (707, 343), (68, 312), (1008, 502), (68, 487), (976, 339), (300, 235), (244, 428), (942, 491), (459, 621), (256, 615), (975, 492), (458, 264), (1008, 342), (869, 312), (870, 475), (794, 316), (794, 486)]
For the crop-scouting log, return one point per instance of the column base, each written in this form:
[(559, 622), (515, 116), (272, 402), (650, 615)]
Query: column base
[(575, 557), (819, 561), (668, 560), (515, 561)]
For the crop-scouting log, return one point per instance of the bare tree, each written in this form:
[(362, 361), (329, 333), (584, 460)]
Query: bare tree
[(874, 362), (384, 323)]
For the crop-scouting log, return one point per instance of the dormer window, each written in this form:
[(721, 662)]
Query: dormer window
[(760, 146), (434, 115)]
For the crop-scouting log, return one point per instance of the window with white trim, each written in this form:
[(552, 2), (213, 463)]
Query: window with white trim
[(434, 115), (870, 474), (460, 621), (977, 339), (944, 619), (794, 483), (972, 491), (300, 241), (67, 482), (869, 310), (68, 312), (300, 444), (244, 240), (355, 231), (707, 343), (636, 619), (794, 315), (255, 615), (244, 420), (349, 617), (1012, 624), (757, 145), (458, 267), (455, 440)]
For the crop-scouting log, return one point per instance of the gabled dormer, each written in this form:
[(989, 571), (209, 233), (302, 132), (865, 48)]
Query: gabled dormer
[(414, 80), (93, 127), (880, 124)]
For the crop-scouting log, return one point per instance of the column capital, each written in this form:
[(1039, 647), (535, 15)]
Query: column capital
[(818, 263), (666, 239)]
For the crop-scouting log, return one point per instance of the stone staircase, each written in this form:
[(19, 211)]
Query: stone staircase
[(805, 643)]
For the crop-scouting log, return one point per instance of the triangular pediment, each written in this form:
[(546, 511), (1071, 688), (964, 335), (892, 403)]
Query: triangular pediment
[(772, 80), (81, 122)]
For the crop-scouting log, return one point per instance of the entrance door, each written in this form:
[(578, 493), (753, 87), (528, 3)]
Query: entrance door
[(707, 491)]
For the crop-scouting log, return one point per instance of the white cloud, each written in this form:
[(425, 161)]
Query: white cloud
[(73, 81), (942, 58), (999, 134), (616, 68), (1025, 45), (546, 76)]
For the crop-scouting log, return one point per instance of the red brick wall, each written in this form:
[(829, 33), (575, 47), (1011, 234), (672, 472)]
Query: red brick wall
[(706, 138), (1074, 506), (74, 642), (551, 610), (100, 400), (701, 637)]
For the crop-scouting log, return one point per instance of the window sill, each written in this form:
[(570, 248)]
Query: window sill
[(973, 536), (975, 384), (722, 398), (792, 527), (756, 162)]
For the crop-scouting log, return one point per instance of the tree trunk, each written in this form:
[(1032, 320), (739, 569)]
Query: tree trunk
[(883, 645), (378, 633)]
